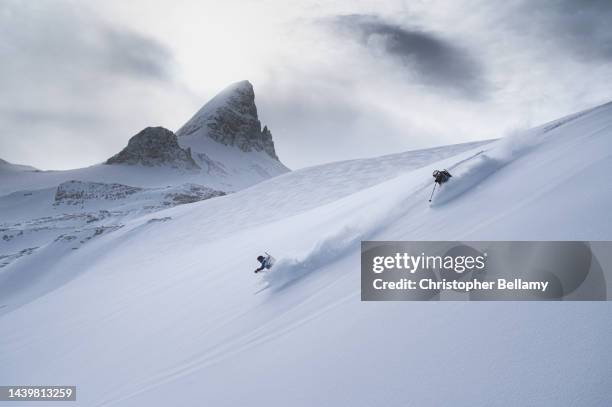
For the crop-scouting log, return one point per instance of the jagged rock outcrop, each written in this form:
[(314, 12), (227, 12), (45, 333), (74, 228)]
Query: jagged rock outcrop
[(189, 193), (78, 192), (231, 118), (155, 146), (268, 144)]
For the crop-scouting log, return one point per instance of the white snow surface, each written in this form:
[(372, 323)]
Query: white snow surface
[(166, 310), (225, 168), (228, 167)]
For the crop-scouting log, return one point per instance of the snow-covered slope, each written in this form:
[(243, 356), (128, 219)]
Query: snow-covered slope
[(169, 312), (33, 222)]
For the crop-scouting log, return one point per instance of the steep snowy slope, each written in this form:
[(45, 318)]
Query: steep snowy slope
[(170, 313)]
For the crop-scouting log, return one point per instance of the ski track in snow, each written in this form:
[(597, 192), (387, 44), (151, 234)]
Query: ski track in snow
[(265, 333), (467, 173), (325, 251)]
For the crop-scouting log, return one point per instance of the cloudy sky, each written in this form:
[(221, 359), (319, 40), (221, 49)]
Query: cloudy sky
[(333, 79)]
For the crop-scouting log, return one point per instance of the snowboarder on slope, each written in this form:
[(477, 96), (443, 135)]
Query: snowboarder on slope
[(266, 262)]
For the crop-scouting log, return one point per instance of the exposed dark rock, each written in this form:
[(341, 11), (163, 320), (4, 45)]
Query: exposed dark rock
[(191, 193), (155, 146), (78, 192)]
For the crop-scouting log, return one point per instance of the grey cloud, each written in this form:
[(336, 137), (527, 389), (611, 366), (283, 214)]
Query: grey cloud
[(582, 27), (435, 61), (17, 116), (321, 117), (133, 54), (66, 73), (61, 39)]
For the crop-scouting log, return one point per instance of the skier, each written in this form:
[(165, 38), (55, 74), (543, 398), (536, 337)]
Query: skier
[(266, 262), (440, 177)]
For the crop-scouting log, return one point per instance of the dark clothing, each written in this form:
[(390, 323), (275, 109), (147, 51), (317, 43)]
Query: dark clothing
[(441, 176), (265, 263), (263, 266)]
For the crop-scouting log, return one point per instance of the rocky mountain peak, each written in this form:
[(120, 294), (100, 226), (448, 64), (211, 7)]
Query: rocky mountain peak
[(230, 118), (154, 146)]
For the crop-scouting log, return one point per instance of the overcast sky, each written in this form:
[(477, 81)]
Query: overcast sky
[(333, 79)]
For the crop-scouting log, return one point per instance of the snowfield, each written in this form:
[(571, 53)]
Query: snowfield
[(165, 310)]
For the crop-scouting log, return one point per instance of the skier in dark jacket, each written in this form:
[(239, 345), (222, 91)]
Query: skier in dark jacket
[(266, 262), (441, 176)]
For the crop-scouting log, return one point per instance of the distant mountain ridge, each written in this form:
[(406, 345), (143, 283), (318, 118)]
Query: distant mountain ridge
[(222, 147)]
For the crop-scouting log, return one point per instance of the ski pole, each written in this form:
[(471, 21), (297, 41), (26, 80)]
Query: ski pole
[(432, 192)]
